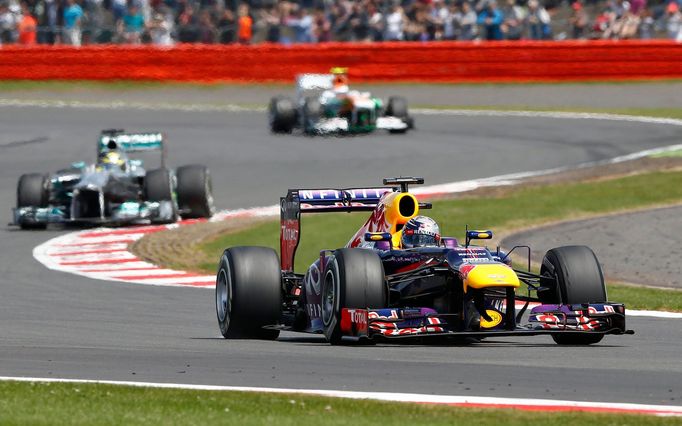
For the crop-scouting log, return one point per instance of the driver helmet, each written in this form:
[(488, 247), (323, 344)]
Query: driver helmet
[(420, 231), (340, 79), (112, 160)]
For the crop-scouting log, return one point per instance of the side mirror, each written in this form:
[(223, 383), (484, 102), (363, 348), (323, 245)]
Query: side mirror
[(78, 165), (478, 235)]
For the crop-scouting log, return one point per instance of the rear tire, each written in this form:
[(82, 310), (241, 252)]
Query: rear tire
[(32, 192), (248, 293), (158, 186), (579, 279), (195, 191), (354, 278), (282, 114)]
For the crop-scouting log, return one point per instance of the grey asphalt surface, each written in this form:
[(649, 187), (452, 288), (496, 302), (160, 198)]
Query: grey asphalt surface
[(58, 325), (641, 247)]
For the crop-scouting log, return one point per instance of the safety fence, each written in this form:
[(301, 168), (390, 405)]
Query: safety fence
[(389, 62)]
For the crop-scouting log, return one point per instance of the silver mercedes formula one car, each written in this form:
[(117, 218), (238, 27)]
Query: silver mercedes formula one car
[(116, 190)]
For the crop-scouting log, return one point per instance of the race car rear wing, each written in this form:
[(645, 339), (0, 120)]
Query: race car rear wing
[(299, 201), (111, 139)]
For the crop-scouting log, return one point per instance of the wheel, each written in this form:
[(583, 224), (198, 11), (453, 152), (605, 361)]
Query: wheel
[(282, 114), (158, 186), (195, 191), (312, 111), (32, 192), (248, 293), (353, 278), (397, 107), (579, 279)]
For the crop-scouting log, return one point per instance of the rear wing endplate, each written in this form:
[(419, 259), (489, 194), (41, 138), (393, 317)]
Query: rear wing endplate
[(299, 201)]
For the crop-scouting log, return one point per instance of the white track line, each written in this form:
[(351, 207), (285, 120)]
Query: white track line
[(453, 400)]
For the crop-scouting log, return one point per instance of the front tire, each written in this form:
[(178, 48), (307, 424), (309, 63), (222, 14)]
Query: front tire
[(248, 293), (195, 191), (158, 186), (353, 278), (32, 192), (397, 107), (578, 278)]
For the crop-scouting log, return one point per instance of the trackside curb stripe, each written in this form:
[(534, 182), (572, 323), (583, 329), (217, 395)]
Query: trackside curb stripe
[(525, 404)]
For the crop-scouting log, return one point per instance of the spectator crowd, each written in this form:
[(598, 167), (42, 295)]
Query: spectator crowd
[(167, 22)]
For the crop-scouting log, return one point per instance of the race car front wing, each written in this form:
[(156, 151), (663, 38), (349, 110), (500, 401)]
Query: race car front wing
[(604, 318)]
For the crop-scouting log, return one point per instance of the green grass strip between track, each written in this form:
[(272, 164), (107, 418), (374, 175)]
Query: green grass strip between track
[(97, 404)]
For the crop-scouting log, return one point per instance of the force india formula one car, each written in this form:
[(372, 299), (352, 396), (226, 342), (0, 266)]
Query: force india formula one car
[(325, 105), (116, 190), (374, 289)]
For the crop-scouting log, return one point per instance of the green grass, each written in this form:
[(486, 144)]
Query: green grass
[(518, 208), (97, 404)]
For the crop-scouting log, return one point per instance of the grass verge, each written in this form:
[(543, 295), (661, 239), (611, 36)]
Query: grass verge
[(510, 209), (75, 404)]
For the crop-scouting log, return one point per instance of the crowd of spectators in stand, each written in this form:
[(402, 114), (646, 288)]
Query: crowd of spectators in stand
[(167, 22)]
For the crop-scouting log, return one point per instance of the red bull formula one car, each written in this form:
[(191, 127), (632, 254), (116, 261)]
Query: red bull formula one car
[(384, 284)]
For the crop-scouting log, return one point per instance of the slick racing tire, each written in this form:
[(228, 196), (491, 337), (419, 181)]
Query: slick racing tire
[(195, 191), (248, 293), (353, 278), (397, 107), (578, 279), (282, 114), (158, 186), (32, 192)]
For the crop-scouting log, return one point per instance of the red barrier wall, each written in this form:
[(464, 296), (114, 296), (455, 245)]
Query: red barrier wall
[(427, 62)]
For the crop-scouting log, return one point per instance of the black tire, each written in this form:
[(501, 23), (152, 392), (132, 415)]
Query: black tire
[(353, 278), (397, 107), (195, 191), (282, 114), (32, 192), (579, 279), (248, 293), (312, 111), (158, 186)]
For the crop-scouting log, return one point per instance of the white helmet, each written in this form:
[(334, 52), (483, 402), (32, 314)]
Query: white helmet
[(420, 231)]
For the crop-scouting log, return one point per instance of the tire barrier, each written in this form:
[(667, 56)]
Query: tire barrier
[(446, 62)]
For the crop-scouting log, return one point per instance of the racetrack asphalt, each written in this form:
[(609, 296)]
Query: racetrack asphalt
[(58, 325)]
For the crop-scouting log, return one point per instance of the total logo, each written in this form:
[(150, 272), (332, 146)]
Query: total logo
[(358, 316), (289, 234)]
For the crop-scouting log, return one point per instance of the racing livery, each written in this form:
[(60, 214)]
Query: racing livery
[(115, 190), (325, 104), (397, 278)]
